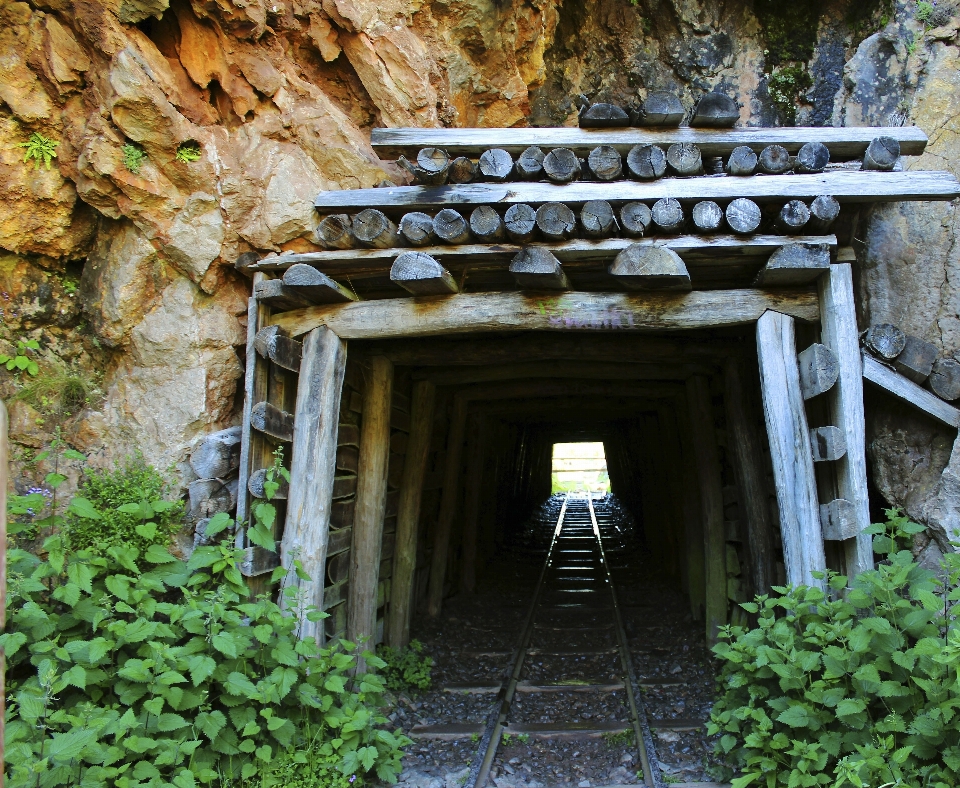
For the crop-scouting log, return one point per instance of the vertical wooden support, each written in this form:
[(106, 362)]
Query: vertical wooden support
[(448, 506), (408, 513), (671, 465), (711, 502), (371, 503), (692, 522), (256, 379), (471, 503), (838, 320), (790, 449), (748, 455), (312, 469), (4, 481)]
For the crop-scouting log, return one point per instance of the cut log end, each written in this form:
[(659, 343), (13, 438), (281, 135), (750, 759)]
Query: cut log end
[(915, 361), (824, 211), (334, 232), (450, 227), (420, 274), (793, 265), (668, 215), (828, 443), (707, 216), (885, 341), (536, 268), (715, 110), (642, 267), (838, 520), (486, 224), (661, 108), (742, 161), (530, 163), (315, 285), (819, 370), (603, 116), (372, 228), (561, 165), (881, 154), (605, 163), (684, 158), (635, 218), (598, 219), (270, 420), (793, 217), (944, 380), (813, 157), (743, 216), (417, 229), (520, 222), (496, 165), (646, 162), (556, 221), (774, 160), (463, 170)]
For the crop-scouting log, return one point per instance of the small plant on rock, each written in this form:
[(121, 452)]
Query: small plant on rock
[(188, 151), (60, 389), (20, 361), (406, 668), (133, 156), (40, 149)]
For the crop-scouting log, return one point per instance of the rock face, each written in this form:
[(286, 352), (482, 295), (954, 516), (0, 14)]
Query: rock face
[(118, 258)]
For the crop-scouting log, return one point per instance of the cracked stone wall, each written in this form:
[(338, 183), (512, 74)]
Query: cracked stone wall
[(126, 277)]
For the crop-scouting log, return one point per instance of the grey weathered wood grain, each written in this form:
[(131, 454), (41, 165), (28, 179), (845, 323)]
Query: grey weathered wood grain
[(312, 468), (916, 359), (774, 160), (819, 370), (448, 504), (743, 215), (790, 449), (598, 219), (838, 520), (742, 161), (885, 340), (882, 153), (824, 211), (910, 392), (707, 216), (845, 186), (660, 108), (486, 225), (650, 268), (535, 268), (372, 228), (371, 503), (813, 157), (257, 486), (272, 344), (450, 227), (530, 163), (794, 264), (463, 170), (745, 439), (335, 232), (829, 443), (646, 162), (944, 380), (845, 143), (403, 317), (495, 164), (408, 514), (416, 228), (520, 222), (603, 116), (314, 286), (838, 321), (556, 222), (635, 217), (270, 420), (715, 110), (605, 163), (273, 293), (707, 459), (420, 274)]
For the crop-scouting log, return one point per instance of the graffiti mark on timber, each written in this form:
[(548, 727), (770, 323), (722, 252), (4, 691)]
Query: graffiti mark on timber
[(562, 315)]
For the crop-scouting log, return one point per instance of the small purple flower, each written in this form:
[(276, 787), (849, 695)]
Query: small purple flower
[(353, 777)]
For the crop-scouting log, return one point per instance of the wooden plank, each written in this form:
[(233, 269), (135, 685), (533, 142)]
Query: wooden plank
[(365, 555), (749, 469), (578, 250), (839, 332), (408, 513), (845, 187), (566, 730), (576, 311), (680, 724), (707, 459), (448, 504), (790, 449), (471, 504), (844, 143), (909, 392), (309, 504), (340, 540), (447, 732)]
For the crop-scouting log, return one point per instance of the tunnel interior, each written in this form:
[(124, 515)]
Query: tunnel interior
[(681, 422)]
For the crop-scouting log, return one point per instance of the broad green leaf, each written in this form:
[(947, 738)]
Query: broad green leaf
[(158, 555), (65, 747), (81, 507), (796, 716), (171, 722)]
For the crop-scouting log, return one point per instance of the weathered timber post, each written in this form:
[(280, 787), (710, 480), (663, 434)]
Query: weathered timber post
[(711, 502), (312, 469), (471, 503), (790, 449), (838, 320), (3, 565), (692, 522), (448, 505), (371, 503), (750, 475), (408, 513)]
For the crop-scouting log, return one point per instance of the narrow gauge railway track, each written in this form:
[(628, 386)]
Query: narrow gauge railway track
[(575, 580)]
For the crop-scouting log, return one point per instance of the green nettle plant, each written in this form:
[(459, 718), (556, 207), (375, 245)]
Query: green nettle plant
[(20, 361), (134, 669), (857, 689), (406, 668)]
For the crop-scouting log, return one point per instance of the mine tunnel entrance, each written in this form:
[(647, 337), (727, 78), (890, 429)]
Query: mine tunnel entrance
[(580, 521)]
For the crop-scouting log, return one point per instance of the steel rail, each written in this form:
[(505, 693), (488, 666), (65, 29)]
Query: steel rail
[(641, 727), (494, 731)]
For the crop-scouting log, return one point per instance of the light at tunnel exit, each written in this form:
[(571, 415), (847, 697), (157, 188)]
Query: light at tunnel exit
[(579, 467)]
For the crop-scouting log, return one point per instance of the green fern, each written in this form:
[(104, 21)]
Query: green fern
[(133, 157), (188, 151), (40, 149)]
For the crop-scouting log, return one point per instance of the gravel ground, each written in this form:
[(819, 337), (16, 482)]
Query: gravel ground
[(665, 645)]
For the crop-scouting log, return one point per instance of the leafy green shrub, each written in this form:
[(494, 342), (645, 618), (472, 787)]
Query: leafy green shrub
[(40, 149), (188, 151), (20, 361), (127, 507), (406, 668), (861, 690), (134, 669), (133, 156)]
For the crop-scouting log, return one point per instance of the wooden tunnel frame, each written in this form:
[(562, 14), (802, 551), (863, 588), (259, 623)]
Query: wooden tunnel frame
[(326, 330)]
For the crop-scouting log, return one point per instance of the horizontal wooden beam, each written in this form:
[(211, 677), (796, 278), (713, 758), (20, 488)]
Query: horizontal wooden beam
[(845, 186), (844, 143), (909, 392), (543, 390), (575, 311), (561, 369), (360, 262)]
